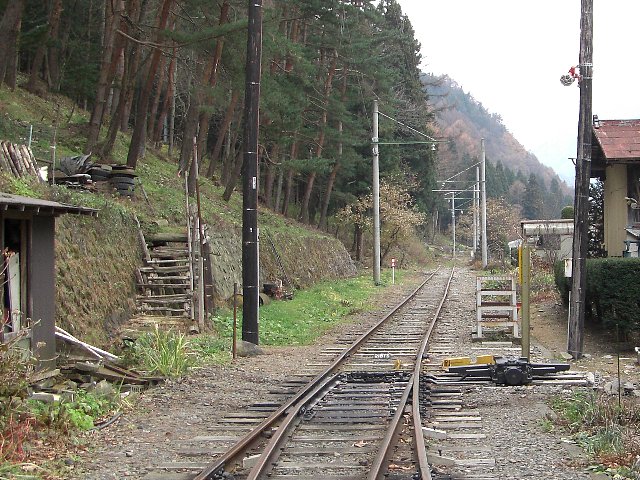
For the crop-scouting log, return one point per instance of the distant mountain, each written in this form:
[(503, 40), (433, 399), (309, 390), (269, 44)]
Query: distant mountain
[(464, 120)]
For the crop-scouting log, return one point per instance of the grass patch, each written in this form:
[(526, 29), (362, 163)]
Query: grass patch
[(299, 321), (164, 353), (605, 429)]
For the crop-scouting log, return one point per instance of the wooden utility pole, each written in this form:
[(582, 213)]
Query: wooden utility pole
[(250, 272), (583, 173)]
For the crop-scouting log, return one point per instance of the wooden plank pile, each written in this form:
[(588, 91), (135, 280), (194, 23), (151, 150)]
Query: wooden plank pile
[(18, 160)]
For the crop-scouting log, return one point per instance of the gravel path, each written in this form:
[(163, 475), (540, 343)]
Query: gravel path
[(512, 418), (175, 412)]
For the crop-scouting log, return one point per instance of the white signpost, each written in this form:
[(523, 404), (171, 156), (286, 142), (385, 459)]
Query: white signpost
[(393, 271)]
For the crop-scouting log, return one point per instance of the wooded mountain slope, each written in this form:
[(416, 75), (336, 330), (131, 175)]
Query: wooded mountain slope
[(511, 169)]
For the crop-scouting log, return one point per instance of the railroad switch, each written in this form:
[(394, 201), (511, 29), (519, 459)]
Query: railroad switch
[(509, 371)]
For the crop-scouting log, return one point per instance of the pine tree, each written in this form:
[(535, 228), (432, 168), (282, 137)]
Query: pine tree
[(533, 207)]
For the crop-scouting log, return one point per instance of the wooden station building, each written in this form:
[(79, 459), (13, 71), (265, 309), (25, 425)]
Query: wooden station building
[(615, 159)]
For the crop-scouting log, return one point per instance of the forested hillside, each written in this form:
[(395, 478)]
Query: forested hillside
[(512, 172), (155, 74), (166, 71)]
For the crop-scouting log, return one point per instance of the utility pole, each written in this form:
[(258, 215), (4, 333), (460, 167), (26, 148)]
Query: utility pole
[(476, 213), (483, 199), (250, 266), (583, 173), (453, 221), (376, 197)]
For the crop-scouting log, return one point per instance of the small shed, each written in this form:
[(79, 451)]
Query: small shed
[(27, 242), (553, 238), (615, 159)]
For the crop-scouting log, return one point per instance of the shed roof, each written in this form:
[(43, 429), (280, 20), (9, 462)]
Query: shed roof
[(41, 207), (532, 228), (618, 139)]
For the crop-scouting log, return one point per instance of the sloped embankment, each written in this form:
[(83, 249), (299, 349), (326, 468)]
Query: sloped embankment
[(95, 264), (96, 261), (303, 259)]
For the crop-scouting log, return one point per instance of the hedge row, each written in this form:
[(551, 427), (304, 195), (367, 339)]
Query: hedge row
[(613, 291)]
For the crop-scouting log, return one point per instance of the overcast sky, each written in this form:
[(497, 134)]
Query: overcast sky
[(510, 54)]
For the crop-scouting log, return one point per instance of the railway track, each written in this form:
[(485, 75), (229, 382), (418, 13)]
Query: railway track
[(343, 423), (359, 413)]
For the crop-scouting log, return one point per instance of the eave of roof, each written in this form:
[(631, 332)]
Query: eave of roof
[(618, 139), (41, 207)]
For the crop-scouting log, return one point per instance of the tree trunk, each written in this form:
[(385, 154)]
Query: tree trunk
[(120, 117), (270, 176), (357, 240), (109, 64), (222, 133), (138, 136), (322, 224), (166, 104), (288, 190), (230, 155), (9, 32), (53, 54), (235, 175), (336, 167), (38, 59), (289, 183), (276, 205), (190, 130), (212, 80), (153, 123), (304, 211)]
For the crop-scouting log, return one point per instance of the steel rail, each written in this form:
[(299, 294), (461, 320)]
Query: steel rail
[(231, 455), (425, 469), (377, 468), (279, 436)]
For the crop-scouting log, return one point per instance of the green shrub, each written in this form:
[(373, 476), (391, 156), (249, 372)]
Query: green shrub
[(567, 212), (562, 283), (613, 291)]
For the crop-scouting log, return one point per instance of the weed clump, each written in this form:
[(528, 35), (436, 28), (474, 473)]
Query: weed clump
[(606, 429), (165, 353)]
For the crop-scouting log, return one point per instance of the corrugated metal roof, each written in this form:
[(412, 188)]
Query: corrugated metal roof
[(41, 207), (619, 139)]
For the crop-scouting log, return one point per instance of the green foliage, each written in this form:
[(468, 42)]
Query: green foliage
[(165, 353), (562, 282), (80, 413), (532, 207), (212, 348), (567, 212), (613, 290)]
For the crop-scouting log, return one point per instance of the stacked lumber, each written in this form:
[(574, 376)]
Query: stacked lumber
[(18, 160)]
